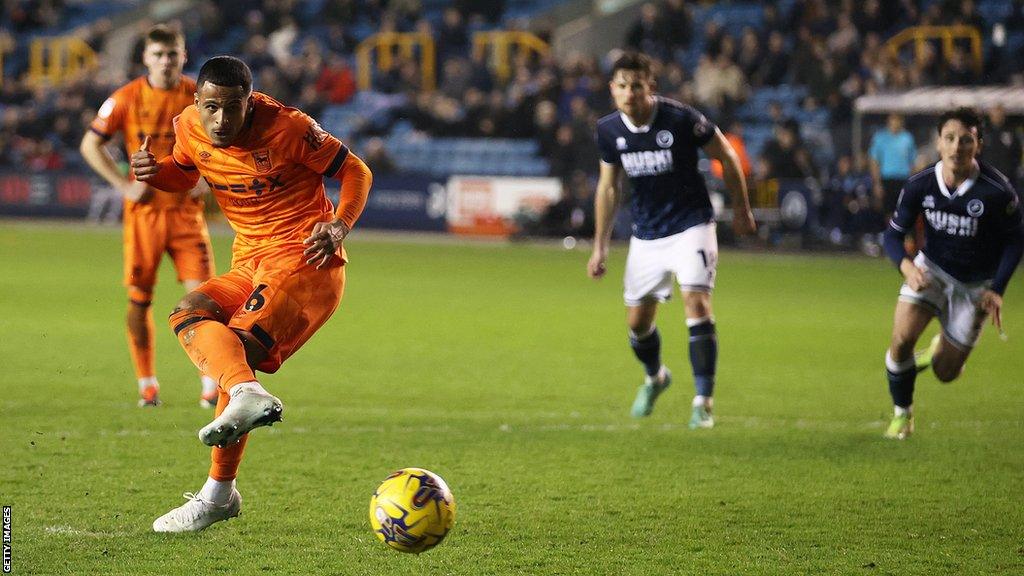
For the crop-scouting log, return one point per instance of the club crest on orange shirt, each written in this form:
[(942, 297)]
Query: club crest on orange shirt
[(261, 158)]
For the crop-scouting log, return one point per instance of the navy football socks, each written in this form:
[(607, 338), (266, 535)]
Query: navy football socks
[(648, 350), (703, 355)]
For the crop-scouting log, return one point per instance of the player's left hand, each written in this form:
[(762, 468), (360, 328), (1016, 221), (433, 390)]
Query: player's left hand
[(743, 223), (992, 304), (324, 241)]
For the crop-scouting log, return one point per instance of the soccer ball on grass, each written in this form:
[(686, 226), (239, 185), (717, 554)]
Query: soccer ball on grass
[(412, 510)]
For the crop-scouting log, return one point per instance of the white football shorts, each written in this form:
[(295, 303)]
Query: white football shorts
[(954, 302), (691, 256)]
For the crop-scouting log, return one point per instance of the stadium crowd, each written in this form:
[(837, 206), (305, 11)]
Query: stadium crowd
[(831, 52)]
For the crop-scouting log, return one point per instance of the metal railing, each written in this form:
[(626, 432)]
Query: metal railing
[(54, 60), (384, 44), (920, 36), (501, 43), (378, 53)]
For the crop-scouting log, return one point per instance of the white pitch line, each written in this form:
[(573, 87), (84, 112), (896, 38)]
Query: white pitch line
[(65, 530)]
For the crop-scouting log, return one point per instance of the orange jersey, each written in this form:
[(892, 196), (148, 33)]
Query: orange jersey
[(138, 110), (269, 183)]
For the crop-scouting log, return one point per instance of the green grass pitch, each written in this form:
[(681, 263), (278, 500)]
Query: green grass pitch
[(507, 371)]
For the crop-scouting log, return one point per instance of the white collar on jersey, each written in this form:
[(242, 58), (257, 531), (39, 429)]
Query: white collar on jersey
[(960, 190), (646, 127)]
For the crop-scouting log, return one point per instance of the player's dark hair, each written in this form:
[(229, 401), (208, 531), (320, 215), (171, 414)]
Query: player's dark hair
[(634, 61), (969, 117), (164, 34), (225, 71)]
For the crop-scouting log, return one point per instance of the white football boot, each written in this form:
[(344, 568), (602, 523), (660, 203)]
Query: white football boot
[(249, 407), (198, 513)]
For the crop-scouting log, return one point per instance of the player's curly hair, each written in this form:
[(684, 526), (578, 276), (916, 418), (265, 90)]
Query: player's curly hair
[(225, 71), (967, 116), (632, 60)]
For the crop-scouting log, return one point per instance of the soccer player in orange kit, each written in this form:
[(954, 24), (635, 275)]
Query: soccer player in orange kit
[(154, 221), (265, 163)]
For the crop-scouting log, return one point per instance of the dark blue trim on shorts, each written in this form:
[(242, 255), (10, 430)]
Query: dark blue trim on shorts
[(188, 322), (261, 335)]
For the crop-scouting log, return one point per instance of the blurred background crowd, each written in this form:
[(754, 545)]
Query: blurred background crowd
[(779, 78)]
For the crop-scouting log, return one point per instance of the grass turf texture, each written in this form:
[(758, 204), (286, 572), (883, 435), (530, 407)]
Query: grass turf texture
[(507, 371)]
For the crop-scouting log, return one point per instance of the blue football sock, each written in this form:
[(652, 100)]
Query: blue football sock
[(901, 377), (703, 355), (648, 350)]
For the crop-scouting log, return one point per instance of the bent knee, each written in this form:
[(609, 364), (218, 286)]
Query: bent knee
[(198, 302), (947, 374), (192, 308), (697, 304), (902, 347)]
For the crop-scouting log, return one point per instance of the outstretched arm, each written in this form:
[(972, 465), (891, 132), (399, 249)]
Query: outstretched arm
[(606, 200), (720, 149)]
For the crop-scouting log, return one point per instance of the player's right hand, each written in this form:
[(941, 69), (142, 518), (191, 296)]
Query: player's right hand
[(992, 303), (596, 267), (143, 162), (136, 191), (916, 278)]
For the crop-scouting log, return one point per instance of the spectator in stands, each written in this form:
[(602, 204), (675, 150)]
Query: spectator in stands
[(811, 14), (845, 38), (892, 155), (679, 24), (870, 19), (455, 77), (1002, 147), (749, 56), (565, 156), (336, 83), (784, 156), (309, 101), (282, 39), (339, 40), (338, 12), (960, 69), (272, 84), (488, 10), (720, 84), (775, 65), (771, 21), (452, 35), (811, 64), (545, 126), (572, 215), (713, 37), (650, 34), (256, 52), (965, 13), (849, 214), (375, 155)]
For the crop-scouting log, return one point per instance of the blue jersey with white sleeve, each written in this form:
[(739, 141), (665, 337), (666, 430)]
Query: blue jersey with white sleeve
[(660, 159), (967, 230)]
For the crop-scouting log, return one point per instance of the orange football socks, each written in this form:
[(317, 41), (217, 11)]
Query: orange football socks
[(213, 347), (141, 332), (224, 461)]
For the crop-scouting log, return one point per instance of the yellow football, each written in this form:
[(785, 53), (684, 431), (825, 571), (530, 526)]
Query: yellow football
[(412, 510)]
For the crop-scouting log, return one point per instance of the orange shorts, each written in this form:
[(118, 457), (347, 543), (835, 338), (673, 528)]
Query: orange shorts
[(279, 299), (181, 233)]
